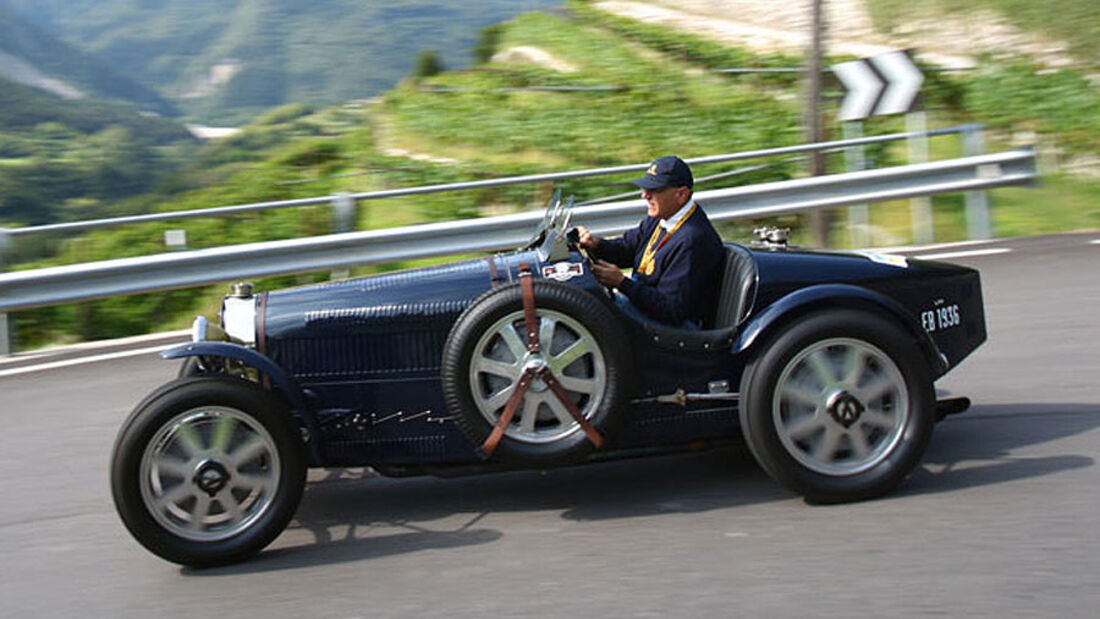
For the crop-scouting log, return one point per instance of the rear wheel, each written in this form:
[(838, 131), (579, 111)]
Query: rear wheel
[(839, 406), (207, 471)]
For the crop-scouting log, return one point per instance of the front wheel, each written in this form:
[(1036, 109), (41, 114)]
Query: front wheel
[(839, 406), (207, 471)]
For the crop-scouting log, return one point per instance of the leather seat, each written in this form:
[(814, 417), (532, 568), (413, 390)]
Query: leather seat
[(737, 289)]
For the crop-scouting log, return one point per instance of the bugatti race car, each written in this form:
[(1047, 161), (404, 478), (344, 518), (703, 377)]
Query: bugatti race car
[(823, 361)]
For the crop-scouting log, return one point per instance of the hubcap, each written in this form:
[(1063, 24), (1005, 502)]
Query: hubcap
[(535, 363), (209, 473), (211, 477), (569, 351), (844, 408), (840, 406)]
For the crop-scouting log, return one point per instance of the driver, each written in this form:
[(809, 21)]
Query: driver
[(675, 252)]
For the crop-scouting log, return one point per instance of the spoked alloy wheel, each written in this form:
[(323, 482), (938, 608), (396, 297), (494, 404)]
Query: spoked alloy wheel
[(208, 470), (571, 353), (582, 345), (838, 405), (209, 474)]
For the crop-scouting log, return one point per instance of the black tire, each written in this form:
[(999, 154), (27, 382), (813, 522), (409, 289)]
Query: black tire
[(848, 449), (540, 435), (240, 443)]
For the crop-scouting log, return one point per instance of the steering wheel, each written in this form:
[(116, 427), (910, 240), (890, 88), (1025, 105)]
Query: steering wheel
[(573, 236)]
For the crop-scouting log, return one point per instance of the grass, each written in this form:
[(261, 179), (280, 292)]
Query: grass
[(664, 110), (1067, 203)]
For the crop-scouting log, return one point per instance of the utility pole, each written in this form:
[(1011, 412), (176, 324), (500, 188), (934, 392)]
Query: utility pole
[(815, 129)]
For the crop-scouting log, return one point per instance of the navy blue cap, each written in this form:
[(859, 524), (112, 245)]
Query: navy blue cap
[(670, 171)]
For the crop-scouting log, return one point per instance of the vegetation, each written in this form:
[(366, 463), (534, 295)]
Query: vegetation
[(86, 74), (63, 160), (658, 108), (487, 43), (1019, 96), (428, 64)]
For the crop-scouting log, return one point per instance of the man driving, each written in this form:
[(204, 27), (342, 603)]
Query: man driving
[(675, 252)]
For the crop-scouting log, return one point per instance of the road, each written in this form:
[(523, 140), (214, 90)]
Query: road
[(999, 520)]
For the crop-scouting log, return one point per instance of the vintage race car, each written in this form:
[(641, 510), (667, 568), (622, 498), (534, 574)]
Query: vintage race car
[(823, 361)]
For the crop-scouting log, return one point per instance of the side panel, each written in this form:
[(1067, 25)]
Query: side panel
[(940, 303), (950, 309)]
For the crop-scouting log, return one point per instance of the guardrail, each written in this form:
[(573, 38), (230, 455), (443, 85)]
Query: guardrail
[(81, 282)]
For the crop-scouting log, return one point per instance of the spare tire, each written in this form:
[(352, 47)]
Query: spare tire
[(585, 348)]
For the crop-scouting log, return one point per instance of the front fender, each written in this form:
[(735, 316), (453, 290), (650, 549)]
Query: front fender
[(287, 387), (807, 299), (245, 355)]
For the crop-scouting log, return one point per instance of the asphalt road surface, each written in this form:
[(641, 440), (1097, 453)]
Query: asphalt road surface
[(1001, 519)]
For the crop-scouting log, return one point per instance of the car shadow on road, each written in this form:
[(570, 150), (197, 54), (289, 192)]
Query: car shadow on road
[(326, 549), (989, 435), (351, 514)]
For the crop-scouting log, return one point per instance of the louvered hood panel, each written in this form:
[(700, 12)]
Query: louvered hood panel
[(383, 326)]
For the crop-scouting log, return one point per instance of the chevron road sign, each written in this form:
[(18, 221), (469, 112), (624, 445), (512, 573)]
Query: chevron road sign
[(877, 86)]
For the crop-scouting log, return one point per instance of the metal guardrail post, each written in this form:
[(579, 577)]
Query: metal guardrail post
[(345, 217), (5, 336), (920, 208), (5, 326), (855, 159), (344, 213), (977, 202)]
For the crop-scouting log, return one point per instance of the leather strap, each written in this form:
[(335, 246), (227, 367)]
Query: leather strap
[(531, 323), (593, 435), (491, 443), (530, 318)]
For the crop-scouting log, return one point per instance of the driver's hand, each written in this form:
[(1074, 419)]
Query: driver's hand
[(586, 239), (607, 273)]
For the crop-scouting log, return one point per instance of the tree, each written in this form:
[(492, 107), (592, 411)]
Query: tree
[(428, 64), (487, 43)]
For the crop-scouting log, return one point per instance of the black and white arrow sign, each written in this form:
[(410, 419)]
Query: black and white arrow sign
[(877, 86)]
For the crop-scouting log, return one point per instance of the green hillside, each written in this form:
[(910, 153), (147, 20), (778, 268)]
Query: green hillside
[(93, 77), (79, 159), (320, 52)]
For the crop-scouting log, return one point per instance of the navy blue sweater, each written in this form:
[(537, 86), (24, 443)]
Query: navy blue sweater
[(683, 285)]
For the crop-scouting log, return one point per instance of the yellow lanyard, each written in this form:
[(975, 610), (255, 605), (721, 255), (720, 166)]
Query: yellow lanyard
[(649, 256)]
